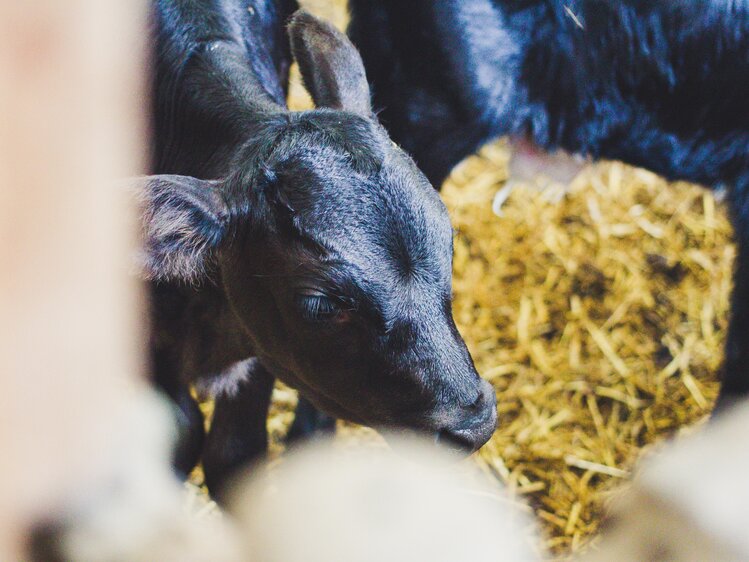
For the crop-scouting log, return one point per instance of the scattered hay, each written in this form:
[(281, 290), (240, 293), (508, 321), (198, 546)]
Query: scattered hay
[(598, 315)]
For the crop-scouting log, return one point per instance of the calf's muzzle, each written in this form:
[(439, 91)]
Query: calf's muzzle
[(476, 423)]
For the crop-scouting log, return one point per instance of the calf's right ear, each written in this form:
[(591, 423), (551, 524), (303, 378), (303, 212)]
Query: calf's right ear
[(331, 67), (183, 221)]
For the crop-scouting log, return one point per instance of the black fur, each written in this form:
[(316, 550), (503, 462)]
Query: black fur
[(299, 246), (660, 84)]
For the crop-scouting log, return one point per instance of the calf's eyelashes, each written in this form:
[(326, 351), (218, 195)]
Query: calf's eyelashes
[(316, 307)]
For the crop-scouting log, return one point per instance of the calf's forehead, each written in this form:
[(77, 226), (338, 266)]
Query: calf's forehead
[(389, 223)]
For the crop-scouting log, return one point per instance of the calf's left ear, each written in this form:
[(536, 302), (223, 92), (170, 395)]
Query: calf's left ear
[(331, 67), (183, 221)]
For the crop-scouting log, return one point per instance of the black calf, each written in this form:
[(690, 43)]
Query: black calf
[(661, 84), (299, 246)]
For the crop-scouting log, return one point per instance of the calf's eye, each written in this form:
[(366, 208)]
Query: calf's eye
[(316, 307)]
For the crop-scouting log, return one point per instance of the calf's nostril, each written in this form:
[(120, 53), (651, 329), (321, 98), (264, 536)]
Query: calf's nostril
[(455, 440), (484, 397), (479, 400)]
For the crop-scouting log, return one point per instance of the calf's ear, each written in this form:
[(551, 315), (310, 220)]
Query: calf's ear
[(331, 67), (183, 221)]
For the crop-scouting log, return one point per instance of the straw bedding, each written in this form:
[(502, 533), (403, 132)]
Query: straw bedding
[(598, 312), (599, 316)]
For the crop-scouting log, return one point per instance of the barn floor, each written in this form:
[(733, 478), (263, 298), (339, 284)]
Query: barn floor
[(598, 312), (599, 316)]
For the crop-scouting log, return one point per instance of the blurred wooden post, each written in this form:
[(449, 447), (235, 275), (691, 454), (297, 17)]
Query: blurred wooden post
[(71, 120)]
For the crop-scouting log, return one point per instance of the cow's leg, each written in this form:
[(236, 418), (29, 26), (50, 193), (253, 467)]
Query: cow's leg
[(189, 418), (238, 433), (735, 384), (309, 422)]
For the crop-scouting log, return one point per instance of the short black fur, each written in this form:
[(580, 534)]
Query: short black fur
[(299, 246)]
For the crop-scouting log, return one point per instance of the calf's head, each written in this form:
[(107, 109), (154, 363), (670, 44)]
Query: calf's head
[(335, 254)]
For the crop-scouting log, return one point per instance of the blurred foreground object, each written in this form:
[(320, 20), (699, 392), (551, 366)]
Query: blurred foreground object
[(84, 445), (135, 511), (70, 75), (362, 505), (690, 503)]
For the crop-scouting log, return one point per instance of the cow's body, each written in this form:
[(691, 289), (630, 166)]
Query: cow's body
[(661, 85), (300, 246), (658, 84), (202, 119)]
